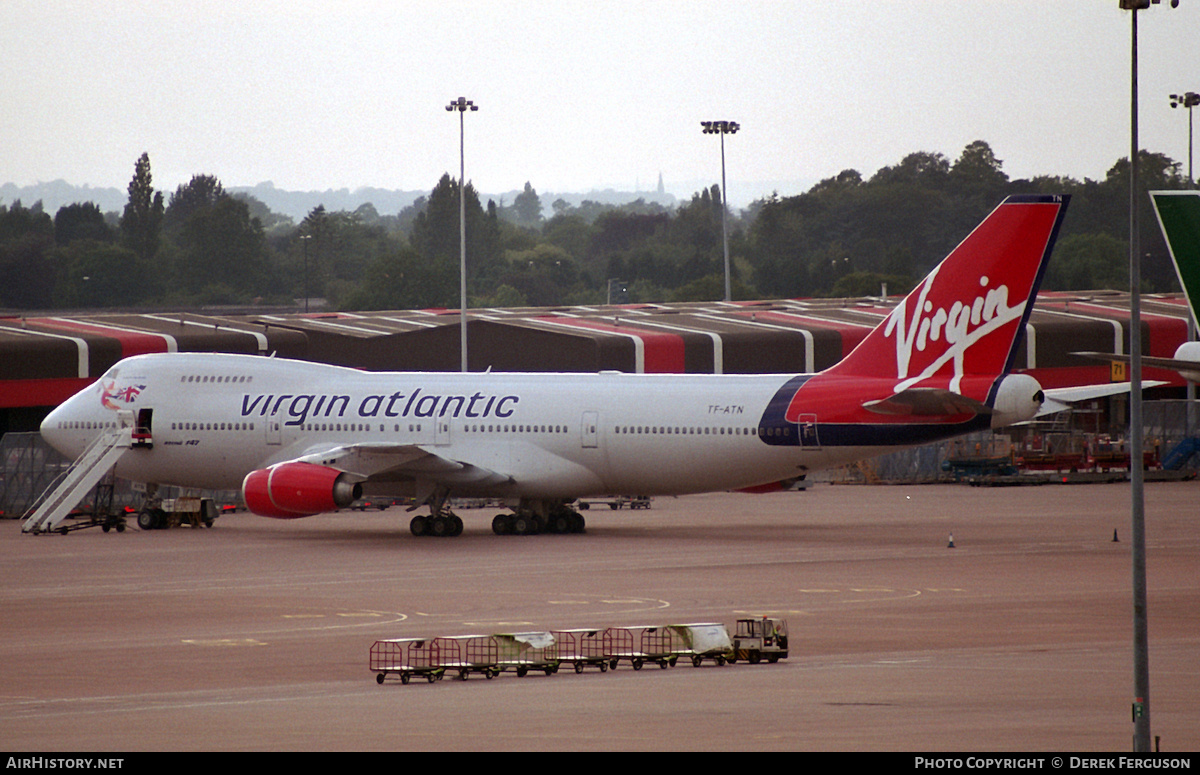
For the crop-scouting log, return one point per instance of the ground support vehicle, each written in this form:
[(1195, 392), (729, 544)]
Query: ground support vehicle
[(525, 651), (173, 512), (616, 502), (759, 638), (581, 648), (406, 657), (697, 642), (466, 654), (638, 644)]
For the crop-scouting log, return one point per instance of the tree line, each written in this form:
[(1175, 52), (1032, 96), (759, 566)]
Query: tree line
[(846, 236)]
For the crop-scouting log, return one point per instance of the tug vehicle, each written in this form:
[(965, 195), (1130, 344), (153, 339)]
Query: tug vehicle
[(759, 638)]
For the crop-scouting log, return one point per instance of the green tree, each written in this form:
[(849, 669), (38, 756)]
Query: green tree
[(201, 193), (101, 274), (222, 247), (527, 207), (80, 221), (141, 225)]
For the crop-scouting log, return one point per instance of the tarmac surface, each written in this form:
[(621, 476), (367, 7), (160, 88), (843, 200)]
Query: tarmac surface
[(255, 635)]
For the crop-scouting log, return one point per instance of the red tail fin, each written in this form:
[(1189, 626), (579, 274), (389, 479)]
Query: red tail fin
[(965, 318)]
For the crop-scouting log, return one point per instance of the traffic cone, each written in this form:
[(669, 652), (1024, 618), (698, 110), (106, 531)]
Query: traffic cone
[(951, 544), (1115, 541)]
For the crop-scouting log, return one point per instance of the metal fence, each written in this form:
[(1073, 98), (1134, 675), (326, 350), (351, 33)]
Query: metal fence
[(31, 467), (1167, 424)]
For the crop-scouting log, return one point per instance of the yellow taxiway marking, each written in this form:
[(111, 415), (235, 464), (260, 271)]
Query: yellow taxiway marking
[(224, 642)]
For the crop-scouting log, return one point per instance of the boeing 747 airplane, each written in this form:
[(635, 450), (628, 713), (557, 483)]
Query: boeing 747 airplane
[(300, 438)]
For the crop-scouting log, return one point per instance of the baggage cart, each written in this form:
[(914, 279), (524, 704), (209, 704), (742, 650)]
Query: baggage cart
[(581, 648), (639, 644), (466, 654), (708, 640), (525, 651), (405, 657)]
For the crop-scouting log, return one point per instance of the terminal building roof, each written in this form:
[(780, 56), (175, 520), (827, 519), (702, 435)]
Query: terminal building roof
[(46, 357)]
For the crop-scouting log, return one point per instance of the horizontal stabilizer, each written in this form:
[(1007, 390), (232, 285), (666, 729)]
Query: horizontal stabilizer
[(927, 402), (1060, 399)]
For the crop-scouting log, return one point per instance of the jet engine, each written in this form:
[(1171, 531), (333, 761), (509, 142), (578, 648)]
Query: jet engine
[(1189, 351), (291, 490), (1018, 399)]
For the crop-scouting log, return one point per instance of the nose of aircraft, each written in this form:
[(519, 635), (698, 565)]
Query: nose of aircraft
[(63, 427), (52, 428)]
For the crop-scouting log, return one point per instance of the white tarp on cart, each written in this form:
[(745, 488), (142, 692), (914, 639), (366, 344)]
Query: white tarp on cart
[(528, 640), (707, 638)]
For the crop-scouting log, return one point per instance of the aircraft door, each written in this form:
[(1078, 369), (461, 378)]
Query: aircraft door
[(591, 430), (143, 428), (441, 435), (274, 429)]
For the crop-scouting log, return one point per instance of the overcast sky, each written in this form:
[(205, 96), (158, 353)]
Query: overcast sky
[(575, 96)]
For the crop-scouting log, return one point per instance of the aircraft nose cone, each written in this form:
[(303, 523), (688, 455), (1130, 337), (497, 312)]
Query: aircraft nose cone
[(52, 431)]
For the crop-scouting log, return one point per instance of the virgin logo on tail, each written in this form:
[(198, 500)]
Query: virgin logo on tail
[(966, 316), (963, 326)]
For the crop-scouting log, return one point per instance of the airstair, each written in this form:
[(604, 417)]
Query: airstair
[(96, 461)]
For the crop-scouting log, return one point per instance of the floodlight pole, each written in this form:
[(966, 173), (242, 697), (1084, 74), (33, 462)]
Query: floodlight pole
[(1188, 100), (1141, 650), (305, 238), (723, 128), (462, 105)]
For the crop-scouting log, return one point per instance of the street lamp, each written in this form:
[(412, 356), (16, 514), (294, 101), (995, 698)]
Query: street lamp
[(462, 105), (1188, 100), (304, 238), (723, 128), (1141, 659)]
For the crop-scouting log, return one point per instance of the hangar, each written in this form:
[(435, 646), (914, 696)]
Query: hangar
[(45, 358)]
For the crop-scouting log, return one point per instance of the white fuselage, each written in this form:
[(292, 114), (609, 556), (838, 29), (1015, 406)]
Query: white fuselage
[(216, 418)]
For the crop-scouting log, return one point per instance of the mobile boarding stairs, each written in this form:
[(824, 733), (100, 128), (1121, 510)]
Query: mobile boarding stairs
[(49, 510)]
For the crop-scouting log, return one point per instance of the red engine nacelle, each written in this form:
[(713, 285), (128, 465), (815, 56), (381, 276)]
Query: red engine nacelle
[(291, 490)]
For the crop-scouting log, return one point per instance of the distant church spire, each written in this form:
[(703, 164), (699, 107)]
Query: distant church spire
[(660, 184)]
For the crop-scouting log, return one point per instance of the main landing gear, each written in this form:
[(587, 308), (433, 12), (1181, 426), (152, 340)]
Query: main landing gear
[(441, 522), (533, 517)]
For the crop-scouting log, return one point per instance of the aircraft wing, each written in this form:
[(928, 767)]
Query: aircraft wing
[(381, 461), (1187, 368)]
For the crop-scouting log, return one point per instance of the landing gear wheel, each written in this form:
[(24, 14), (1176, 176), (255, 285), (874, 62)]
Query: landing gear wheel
[(149, 519), (502, 524), (419, 526)]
